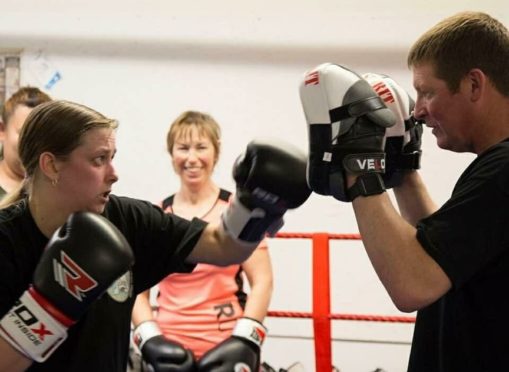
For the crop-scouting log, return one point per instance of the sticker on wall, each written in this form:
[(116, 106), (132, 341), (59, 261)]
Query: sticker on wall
[(9, 75), (2, 80), (12, 74), (44, 71)]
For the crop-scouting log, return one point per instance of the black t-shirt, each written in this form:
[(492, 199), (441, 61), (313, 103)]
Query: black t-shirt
[(99, 341), (468, 237)]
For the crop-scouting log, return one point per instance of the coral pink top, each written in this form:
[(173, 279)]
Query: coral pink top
[(200, 309)]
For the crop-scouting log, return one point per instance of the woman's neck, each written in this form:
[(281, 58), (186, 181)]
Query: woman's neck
[(47, 215), (195, 202), (198, 194)]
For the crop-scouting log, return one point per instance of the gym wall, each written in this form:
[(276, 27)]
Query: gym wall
[(144, 62)]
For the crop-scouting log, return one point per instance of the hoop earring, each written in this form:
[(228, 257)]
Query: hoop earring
[(54, 182)]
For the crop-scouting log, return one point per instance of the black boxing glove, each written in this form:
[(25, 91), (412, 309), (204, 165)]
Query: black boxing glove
[(240, 352), (346, 121), (403, 140), (81, 260), (271, 178), (159, 353)]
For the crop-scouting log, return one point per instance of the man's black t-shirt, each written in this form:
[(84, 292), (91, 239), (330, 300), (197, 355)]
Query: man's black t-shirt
[(468, 237)]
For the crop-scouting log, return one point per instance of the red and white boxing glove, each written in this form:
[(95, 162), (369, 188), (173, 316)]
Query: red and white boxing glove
[(82, 259), (239, 352)]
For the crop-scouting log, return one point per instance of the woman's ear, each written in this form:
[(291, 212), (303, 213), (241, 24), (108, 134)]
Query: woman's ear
[(48, 166)]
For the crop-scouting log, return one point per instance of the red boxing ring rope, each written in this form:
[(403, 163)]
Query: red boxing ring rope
[(321, 314)]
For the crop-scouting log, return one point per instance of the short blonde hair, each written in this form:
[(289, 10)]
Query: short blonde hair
[(205, 124)]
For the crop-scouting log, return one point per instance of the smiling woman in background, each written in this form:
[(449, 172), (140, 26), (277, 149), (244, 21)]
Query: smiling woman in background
[(201, 309)]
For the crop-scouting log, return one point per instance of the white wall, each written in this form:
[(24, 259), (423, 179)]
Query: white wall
[(145, 62)]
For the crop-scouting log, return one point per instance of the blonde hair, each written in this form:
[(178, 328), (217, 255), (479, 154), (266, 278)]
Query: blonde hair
[(205, 124)]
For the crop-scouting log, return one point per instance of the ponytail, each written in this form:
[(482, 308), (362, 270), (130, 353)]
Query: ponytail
[(15, 195)]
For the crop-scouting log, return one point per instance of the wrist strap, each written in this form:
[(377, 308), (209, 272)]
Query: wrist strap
[(251, 330), (408, 161), (30, 329), (145, 331), (365, 185), (238, 219)]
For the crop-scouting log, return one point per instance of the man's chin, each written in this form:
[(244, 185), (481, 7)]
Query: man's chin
[(449, 147), (442, 143)]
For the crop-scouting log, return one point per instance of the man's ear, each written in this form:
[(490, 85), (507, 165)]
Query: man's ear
[(477, 81)]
